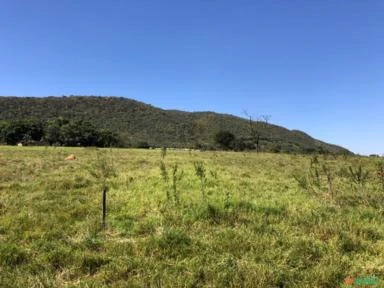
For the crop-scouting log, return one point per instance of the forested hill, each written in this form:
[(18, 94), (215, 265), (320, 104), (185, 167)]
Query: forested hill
[(137, 122)]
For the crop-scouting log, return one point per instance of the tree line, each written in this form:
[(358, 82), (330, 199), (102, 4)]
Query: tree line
[(62, 132), (59, 131)]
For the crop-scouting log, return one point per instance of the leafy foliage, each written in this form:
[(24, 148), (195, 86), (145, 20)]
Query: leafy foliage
[(58, 131), (25, 131)]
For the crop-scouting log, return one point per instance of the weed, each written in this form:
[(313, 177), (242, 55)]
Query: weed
[(163, 152), (227, 199), (213, 174), (301, 180), (200, 172), (329, 175), (315, 175), (380, 172), (358, 175), (164, 175), (176, 176)]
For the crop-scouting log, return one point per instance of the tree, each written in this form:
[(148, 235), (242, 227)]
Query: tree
[(52, 132), (225, 139), (75, 133), (22, 130), (35, 129), (254, 132), (3, 127), (256, 126), (70, 134), (107, 138)]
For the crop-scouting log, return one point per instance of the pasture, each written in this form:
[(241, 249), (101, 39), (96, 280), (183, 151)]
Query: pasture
[(189, 219)]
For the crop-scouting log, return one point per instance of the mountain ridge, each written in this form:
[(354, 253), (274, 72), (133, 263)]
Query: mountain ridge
[(138, 122)]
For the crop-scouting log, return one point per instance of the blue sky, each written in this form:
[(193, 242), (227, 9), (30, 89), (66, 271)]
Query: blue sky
[(316, 66)]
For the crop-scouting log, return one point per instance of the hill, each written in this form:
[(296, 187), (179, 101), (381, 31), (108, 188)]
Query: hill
[(137, 122)]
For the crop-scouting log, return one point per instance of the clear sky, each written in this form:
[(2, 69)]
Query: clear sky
[(313, 65)]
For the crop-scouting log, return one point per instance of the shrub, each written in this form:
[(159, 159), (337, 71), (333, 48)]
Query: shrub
[(225, 140), (200, 172)]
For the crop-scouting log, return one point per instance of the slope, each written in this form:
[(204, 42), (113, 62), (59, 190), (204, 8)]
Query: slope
[(138, 122)]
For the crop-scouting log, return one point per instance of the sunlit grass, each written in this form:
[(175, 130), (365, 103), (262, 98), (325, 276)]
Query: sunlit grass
[(255, 226)]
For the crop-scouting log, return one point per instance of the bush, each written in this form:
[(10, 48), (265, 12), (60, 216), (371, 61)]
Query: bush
[(225, 140)]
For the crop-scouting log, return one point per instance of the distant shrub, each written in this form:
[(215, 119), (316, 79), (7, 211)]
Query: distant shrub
[(225, 139), (276, 148)]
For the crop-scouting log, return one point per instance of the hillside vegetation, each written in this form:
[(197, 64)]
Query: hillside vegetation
[(189, 219), (138, 123)]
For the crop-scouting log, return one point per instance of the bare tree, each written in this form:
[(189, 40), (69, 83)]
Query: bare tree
[(255, 127), (265, 118), (265, 121), (253, 131)]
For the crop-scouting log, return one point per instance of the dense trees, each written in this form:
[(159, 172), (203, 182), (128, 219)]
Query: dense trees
[(26, 131), (56, 132)]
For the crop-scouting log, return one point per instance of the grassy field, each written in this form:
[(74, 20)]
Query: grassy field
[(216, 219)]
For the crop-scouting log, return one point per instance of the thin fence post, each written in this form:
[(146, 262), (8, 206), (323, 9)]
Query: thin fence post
[(104, 208)]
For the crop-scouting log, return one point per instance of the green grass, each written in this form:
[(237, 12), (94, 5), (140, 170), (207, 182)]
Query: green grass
[(264, 220)]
